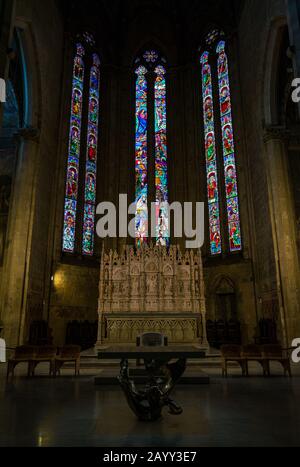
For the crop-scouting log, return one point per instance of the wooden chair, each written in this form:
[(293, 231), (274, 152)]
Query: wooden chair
[(231, 353), (68, 354), (44, 354), (253, 353), (23, 354), (275, 353), (151, 339)]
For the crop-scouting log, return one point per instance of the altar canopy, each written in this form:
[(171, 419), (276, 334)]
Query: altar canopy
[(152, 289)]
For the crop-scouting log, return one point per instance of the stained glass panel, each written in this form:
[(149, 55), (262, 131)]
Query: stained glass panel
[(151, 56), (74, 153), (141, 154), (161, 154), (91, 160), (234, 227), (211, 157)]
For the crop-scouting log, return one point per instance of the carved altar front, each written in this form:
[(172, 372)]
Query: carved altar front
[(152, 289)]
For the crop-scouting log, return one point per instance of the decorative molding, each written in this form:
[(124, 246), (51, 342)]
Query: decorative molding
[(276, 133), (73, 313)]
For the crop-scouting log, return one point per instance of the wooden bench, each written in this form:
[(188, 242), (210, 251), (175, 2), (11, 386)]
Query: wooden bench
[(232, 353), (23, 354), (263, 355), (253, 353), (43, 354), (68, 354), (275, 353)]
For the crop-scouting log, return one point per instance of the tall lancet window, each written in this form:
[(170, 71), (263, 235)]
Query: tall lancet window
[(71, 200), (232, 198), (141, 155), (211, 157), (151, 94), (80, 195), (91, 160), (220, 155), (161, 157)]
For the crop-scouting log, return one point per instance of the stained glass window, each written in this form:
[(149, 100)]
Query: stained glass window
[(150, 69), (211, 157), (91, 160), (161, 168), (232, 199), (71, 195), (141, 153)]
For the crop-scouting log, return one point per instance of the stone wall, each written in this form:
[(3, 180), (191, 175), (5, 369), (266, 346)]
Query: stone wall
[(25, 269), (34, 255)]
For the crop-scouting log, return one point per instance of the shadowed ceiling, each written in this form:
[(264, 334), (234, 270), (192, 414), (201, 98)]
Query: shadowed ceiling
[(121, 27)]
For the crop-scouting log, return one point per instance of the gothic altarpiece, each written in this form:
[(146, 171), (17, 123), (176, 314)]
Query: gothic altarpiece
[(152, 289)]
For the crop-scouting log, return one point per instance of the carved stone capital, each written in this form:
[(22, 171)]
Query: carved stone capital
[(276, 133)]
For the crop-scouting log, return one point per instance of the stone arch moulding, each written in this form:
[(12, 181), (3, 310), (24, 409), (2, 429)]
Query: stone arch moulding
[(223, 283), (269, 69), (34, 84)]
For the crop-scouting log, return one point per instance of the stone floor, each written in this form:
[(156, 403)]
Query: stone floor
[(73, 412)]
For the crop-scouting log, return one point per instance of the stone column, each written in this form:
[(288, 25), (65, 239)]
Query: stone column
[(284, 232), (102, 285), (16, 273)]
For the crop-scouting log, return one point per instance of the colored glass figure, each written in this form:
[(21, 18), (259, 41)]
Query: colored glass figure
[(234, 227), (161, 156), (71, 196), (211, 158), (141, 154), (88, 238)]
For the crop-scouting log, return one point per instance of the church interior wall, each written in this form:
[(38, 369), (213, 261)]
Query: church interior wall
[(25, 265), (64, 289), (254, 28)]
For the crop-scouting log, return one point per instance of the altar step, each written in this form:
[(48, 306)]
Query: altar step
[(108, 377)]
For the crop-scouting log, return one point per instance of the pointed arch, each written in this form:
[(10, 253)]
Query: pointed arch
[(211, 157), (150, 71), (91, 160), (141, 155), (71, 195), (161, 157), (215, 72), (231, 183)]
